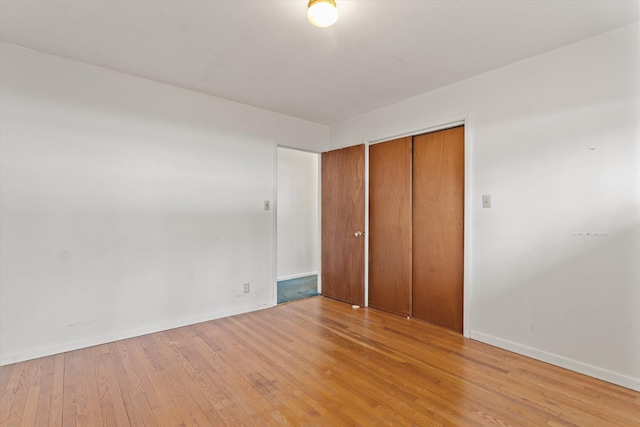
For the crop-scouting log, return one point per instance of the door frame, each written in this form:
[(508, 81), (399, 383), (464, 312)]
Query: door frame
[(428, 126), (274, 278)]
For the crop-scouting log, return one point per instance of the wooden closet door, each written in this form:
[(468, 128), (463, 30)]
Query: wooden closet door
[(438, 233), (390, 226), (342, 218)]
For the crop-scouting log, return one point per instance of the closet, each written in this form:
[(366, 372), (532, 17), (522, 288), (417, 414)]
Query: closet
[(416, 232)]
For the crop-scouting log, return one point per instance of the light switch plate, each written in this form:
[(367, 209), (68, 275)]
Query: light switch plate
[(486, 200)]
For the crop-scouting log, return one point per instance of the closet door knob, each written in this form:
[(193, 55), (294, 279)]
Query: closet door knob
[(359, 234)]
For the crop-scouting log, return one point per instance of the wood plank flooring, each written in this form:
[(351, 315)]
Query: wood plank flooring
[(315, 362)]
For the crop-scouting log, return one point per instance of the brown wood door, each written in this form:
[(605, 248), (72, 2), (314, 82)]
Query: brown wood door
[(438, 232), (342, 218), (390, 191)]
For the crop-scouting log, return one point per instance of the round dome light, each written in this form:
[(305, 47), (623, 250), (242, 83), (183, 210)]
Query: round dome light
[(322, 13)]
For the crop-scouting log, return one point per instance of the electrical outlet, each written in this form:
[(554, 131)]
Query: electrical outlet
[(247, 288)]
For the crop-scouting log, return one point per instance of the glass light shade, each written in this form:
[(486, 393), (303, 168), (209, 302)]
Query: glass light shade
[(322, 13)]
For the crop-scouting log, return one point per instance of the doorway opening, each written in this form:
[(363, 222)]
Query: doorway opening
[(297, 224)]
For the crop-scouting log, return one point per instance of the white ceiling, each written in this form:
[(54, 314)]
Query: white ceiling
[(264, 52)]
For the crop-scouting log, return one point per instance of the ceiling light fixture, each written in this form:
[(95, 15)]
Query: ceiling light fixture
[(322, 13)]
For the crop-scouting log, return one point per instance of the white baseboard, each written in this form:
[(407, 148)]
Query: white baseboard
[(122, 335), (563, 362), (297, 276)]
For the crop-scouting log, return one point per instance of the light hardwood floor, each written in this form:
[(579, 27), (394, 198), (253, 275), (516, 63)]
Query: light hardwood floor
[(306, 363)]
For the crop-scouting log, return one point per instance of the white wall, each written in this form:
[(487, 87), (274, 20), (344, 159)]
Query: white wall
[(128, 206), (555, 140), (297, 213)]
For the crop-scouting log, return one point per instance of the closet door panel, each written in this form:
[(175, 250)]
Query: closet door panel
[(390, 226), (438, 233)]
